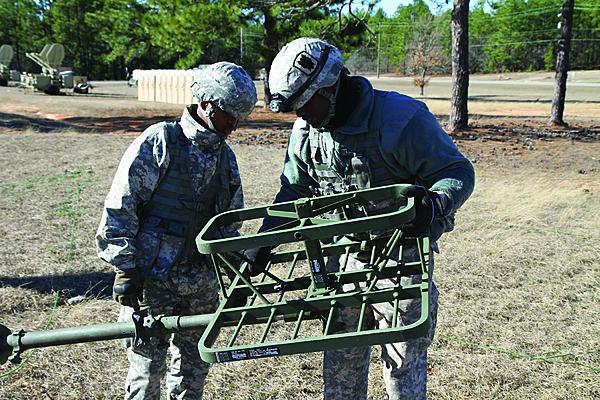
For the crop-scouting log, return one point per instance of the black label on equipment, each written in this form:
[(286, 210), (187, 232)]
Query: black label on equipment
[(237, 355), (223, 356), (315, 266), (264, 352)]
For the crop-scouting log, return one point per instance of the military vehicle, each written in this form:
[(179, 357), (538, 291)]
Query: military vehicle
[(52, 79), (295, 291), (6, 55)]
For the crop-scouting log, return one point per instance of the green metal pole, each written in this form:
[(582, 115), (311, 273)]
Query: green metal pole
[(20, 341)]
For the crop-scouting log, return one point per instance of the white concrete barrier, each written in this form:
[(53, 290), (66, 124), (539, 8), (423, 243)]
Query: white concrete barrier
[(165, 85)]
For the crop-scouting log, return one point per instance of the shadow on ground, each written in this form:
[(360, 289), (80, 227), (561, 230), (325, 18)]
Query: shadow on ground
[(118, 123), (90, 285), (111, 95), (16, 121), (112, 123), (80, 124)]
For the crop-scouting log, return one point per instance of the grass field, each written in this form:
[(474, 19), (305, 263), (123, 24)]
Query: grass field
[(519, 278)]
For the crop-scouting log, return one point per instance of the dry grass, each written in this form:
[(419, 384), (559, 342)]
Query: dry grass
[(519, 290), (573, 111), (518, 279)]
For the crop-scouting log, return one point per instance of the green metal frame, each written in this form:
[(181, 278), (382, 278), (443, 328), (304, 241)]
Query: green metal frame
[(315, 294), (280, 309)]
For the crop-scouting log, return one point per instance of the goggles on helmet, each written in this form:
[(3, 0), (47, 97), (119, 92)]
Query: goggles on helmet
[(280, 103)]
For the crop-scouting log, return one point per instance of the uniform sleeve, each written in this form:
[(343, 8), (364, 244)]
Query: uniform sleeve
[(431, 156), (237, 195), (295, 178), (136, 179)]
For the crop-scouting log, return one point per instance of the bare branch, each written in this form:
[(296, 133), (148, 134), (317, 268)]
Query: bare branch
[(361, 20), (303, 10)]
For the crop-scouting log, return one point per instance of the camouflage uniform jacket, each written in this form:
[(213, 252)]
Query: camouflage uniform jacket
[(414, 148), (120, 239)]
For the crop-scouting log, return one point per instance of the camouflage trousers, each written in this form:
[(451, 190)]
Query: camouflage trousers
[(188, 290), (345, 371)]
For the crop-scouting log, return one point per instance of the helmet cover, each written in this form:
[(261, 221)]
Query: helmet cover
[(300, 69), (227, 86)]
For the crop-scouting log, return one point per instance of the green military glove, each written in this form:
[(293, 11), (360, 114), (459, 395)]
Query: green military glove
[(257, 259), (237, 300), (127, 289), (429, 206)]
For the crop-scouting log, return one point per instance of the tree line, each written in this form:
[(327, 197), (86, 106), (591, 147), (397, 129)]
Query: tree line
[(104, 37), (504, 36)]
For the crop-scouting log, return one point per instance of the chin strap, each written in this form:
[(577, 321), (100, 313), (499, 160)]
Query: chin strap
[(331, 97), (209, 113)]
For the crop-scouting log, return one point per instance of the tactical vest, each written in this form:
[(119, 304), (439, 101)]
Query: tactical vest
[(347, 162), (344, 163), (176, 211)]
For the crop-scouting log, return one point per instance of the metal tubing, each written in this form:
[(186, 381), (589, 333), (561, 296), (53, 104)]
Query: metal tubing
[(361, 318), (238, 328), (346, 257), (316, 231), (395, 314), (297, 326), (245, 280), (263, 337), (21, 340), (330, 318), (293, 266)]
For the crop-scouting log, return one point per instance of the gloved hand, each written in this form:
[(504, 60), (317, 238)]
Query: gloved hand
[(127, 288), (257, 258), (237, 300), (429, 205)]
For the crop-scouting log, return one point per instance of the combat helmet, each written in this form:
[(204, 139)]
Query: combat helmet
[(302, 68), (226, 86)]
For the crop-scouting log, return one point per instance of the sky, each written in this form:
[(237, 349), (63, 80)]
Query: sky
[(390, 6)]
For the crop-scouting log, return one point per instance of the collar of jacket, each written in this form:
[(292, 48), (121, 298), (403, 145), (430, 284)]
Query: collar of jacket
[(201, 136), (358, 122)]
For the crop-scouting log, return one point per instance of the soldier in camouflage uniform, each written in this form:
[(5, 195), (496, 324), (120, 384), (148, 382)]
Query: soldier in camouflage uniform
[(348, 137), (170, 181)]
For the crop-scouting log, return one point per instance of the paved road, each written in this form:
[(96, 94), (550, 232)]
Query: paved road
[(524, 87), (496, 90)]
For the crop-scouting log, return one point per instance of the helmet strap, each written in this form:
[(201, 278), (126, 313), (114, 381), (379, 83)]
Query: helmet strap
[(331, 97), (209, 113)]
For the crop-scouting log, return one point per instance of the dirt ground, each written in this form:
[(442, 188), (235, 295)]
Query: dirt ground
[(518, 278)]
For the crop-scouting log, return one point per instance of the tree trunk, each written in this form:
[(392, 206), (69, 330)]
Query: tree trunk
[(267, 90), (459, 114), (271, 44), (562, 64), (16, 40)]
